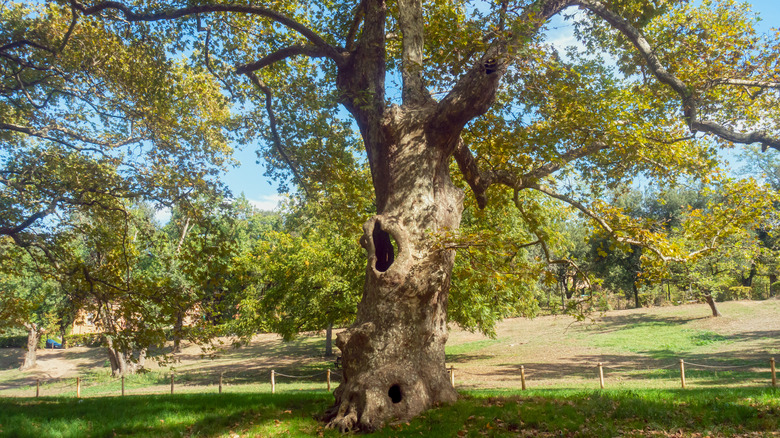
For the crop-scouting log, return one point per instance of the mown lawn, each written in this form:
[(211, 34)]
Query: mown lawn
[(696, 412)]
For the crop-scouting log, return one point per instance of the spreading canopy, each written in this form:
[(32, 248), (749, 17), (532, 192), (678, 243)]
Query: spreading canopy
[(431, 97), (650, 90)]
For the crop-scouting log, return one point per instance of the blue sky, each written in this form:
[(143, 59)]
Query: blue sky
[(248, 177)]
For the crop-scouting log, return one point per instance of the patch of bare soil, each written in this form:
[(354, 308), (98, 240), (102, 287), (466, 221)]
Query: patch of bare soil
[(265, 352), (553, 351), (51, 365), (556, 350)]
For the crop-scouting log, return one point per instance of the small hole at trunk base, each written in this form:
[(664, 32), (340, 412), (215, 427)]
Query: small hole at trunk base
[(395, 394), (385, 253)]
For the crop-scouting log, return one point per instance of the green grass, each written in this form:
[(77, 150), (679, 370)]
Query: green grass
[(657, 339), (640, 352), (455, 352), (714, 412)]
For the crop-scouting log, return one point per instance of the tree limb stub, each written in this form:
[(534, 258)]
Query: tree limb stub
[(474, 93)]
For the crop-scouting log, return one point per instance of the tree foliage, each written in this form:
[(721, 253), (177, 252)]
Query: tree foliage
[(465, 89)]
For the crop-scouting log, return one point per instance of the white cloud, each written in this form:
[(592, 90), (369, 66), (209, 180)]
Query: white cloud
[(267, 202), (163, 215)]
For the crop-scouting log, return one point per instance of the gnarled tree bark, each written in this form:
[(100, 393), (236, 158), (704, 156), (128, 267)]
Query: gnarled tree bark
[(711, 302), (124, 362), (33, 337), (393, 356)]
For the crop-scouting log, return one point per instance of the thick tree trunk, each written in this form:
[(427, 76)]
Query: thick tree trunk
[(748, 281), (123, 362), (329, 340), (711, 301), (636, 295), (574, 284), (393, 356), (30, 355), (64, 339), (177, 328)]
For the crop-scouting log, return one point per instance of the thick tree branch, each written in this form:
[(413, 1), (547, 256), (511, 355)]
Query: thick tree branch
[(410, 21), (170, 14), (281, 54), (481, 180), (14, 230), (274, 132), (44, 135), (475, 91), (565, 158), (612, 232), (357, 18), (478, 180), (27, 43), (23, 43), (361, 79), (543, 243), (73, 21), (686, 93), (746, 83)]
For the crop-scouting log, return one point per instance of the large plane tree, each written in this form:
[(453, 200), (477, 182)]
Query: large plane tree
[(449, 94)]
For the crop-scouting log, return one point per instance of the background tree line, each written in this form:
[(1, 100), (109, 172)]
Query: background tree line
[(444, 127), (220, 267)]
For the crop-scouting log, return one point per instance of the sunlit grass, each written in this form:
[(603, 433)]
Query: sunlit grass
[(567, 412)]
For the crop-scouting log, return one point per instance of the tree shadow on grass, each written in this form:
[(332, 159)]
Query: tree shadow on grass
[(712, 370), (10, 358), (178, 415), (617, 321), (535, 413), (466, 357)]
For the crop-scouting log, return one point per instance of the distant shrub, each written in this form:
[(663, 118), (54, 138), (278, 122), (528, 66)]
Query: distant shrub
[(13, 341), (19, 341), (85, 340)]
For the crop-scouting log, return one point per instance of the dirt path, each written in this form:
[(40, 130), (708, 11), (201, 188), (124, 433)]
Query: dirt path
[(555, 351)]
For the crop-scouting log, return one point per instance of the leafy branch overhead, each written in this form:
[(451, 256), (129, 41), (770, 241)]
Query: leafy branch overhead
[(429, 99), (513, 52)]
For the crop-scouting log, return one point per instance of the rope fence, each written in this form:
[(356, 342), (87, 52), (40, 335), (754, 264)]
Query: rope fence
[(78, 384), (682, 364)]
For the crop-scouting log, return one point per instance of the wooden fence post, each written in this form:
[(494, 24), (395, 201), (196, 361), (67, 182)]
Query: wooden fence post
[(682, 373), (601, 376), (328, 379), (522, 376), (37, 387), (774, 375), (273, 382), (452, 376), (123, 386), (172, 378), (78, 387), (222, 374)]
